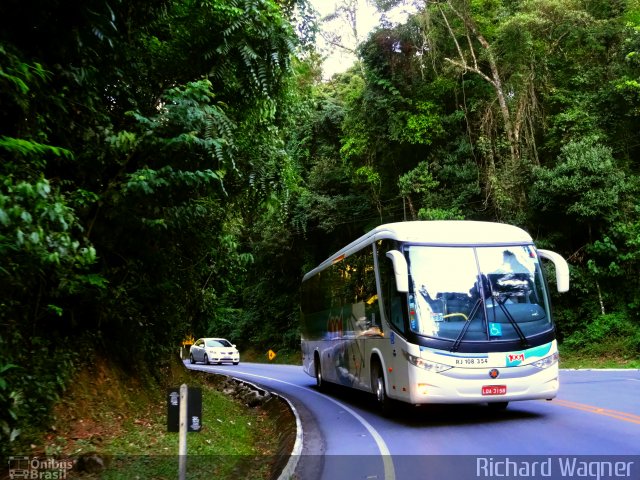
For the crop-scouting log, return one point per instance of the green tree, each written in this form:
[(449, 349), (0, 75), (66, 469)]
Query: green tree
[(587, 197), (125, 143), (523, 112), (48, 270)]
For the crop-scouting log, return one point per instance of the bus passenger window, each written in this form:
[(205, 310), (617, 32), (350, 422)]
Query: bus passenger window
[(359, 295)]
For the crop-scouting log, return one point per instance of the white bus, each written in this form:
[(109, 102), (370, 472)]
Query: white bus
[(434, 312)]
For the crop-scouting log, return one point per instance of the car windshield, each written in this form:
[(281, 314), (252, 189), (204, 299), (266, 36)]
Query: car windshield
[(477, 293), (218, 343)]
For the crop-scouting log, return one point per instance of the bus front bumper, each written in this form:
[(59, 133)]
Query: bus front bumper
[(477, 385)]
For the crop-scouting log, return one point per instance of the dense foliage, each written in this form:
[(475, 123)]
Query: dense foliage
[(524, 112), (172, 167), (137, 139)]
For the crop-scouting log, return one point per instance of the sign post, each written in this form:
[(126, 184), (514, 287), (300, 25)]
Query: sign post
[(182, 433), (184, 414)]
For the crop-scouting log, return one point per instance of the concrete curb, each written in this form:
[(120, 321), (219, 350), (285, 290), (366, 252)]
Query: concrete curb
[(289, 459), (296, 451)]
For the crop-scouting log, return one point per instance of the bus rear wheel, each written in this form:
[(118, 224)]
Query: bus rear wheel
[(319, 379)]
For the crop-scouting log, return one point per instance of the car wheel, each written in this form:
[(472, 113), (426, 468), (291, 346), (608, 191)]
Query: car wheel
[(191, 359), (206, 359)]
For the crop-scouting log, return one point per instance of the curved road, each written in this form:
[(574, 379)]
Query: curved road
[(592, 430)]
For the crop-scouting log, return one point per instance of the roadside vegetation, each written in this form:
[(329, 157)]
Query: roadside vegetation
[(282, 357), (114, 425), (580, 361), (172, 168)]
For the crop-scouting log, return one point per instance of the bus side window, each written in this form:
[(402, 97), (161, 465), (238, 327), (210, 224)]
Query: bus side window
[(393, 304), (396, 317), (370, 292), (357, 292)]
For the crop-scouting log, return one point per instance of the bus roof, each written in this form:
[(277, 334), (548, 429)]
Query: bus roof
[(436, 232)]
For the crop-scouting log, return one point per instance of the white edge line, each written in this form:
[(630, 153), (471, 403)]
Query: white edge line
[(600, 369), (389, 471), (387, 459)]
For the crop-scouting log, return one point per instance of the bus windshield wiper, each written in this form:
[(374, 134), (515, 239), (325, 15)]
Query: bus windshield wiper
[(512, 321), (495, 298), (465, 328)]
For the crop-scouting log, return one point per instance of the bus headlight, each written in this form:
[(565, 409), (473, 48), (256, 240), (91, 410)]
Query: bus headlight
[(427, 365), (546, 362)]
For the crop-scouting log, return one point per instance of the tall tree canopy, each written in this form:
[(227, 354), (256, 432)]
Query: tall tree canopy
[(523, 112), (131, 134)]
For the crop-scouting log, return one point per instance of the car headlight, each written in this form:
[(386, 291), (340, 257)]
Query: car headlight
[(546, 362), (427, 365)]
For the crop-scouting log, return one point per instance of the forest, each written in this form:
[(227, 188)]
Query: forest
[(173, 167)]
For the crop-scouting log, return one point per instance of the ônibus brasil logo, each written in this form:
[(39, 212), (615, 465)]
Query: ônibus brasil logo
[(38, 468)]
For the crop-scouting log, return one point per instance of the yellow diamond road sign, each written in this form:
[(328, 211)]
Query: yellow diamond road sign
[(271, 355)]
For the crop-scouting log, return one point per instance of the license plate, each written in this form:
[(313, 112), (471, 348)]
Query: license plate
[(494, 390)]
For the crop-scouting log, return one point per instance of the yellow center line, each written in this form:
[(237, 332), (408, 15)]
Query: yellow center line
[(624, 416)]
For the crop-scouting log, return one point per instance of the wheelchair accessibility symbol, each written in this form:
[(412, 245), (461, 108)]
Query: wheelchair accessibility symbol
[(495, 329)]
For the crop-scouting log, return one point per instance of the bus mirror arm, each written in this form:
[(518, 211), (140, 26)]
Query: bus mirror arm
[(562, 269), (400, 270)]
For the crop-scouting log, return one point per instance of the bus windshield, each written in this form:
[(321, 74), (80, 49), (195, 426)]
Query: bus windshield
[(477, 293)]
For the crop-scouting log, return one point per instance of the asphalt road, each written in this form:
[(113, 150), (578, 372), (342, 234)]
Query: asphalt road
[(591, 430)]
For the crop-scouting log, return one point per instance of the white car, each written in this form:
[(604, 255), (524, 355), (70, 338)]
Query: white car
[(214, 350)]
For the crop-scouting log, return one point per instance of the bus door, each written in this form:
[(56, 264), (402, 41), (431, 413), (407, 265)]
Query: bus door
[(393, 308)]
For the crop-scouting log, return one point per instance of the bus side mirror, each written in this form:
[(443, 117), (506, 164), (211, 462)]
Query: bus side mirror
[(400, 270), (562, 269)]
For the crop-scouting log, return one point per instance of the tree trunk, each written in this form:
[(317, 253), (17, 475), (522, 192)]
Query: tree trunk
[(493, 78), (600, 298)]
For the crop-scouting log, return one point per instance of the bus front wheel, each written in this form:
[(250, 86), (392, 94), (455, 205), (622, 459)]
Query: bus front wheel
[(380, 390)]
